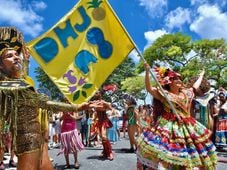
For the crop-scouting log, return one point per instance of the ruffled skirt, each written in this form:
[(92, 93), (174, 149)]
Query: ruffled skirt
[(71, 142), (185, 144)]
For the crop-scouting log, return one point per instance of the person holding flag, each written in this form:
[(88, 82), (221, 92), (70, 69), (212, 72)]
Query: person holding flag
[(20, 103), (176, 140)]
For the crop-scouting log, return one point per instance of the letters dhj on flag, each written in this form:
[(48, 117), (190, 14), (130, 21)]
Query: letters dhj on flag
[(82, 49)]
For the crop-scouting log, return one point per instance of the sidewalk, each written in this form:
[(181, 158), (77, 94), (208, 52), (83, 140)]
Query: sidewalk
[(222, 157)]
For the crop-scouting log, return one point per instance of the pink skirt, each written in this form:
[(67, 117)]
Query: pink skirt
[(70, 142)]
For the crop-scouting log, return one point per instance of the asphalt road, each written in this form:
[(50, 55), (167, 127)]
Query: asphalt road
[(89, 159)]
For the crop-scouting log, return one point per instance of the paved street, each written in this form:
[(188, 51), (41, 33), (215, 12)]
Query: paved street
[(89, 159)]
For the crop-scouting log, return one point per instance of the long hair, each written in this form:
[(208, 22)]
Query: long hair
[(158, 109)]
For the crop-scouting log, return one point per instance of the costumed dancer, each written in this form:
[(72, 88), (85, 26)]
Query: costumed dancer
[(70, 140), (100, 106), (176, 140), (201, 107), (132, 119), (20, 103), (221, 131)]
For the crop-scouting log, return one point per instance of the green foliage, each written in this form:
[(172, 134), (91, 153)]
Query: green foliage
[(187, 57), (46, 83), (94, 3), (124, 70), (134, 86)]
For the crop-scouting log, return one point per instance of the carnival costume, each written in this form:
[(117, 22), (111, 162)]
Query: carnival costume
[(221, 131), (183, 142), (104, 122), (20, 103), (70, 140)]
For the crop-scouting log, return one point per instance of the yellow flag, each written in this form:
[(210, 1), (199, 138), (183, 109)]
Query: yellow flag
[(82, 49)]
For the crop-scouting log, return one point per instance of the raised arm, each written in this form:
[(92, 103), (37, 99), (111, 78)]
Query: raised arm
[(198, 81), (152, 90)]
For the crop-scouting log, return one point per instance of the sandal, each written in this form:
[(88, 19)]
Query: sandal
[(111, 157), (67, 167), (76, 166)]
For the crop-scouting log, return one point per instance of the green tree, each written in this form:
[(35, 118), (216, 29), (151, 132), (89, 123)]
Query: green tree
[(124, 70), (182, 54), (46, 84), (135, 86)]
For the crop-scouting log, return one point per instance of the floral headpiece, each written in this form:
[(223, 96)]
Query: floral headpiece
[(165, 75)]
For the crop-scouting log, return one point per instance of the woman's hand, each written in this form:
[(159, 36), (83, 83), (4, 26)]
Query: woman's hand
[(146, 66), (202, 73)]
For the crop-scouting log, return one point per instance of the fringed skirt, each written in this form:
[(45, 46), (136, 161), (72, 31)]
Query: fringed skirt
[(187, 144), (71, 142)]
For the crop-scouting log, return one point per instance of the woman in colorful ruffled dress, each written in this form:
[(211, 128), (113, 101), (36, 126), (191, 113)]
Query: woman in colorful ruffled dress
[(176, 140)]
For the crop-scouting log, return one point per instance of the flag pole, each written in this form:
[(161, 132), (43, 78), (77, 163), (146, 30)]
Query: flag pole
[(141, 56)]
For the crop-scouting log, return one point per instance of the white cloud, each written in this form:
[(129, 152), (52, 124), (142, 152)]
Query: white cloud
[(211, 22), (20, 15), (154, 7), (177, 18), (38, 5), (151, 36), (134, 56)]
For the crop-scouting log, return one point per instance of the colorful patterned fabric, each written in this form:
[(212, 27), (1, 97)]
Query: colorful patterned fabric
[(221, 131), (70, 140), (131, 115), (183, 144)]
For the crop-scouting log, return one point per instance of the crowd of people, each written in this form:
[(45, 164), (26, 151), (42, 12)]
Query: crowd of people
[(182, 128)]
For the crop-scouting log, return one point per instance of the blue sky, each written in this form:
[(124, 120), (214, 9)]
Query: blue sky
[(145, 20)]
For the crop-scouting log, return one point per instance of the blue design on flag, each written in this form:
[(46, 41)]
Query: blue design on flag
[(64, 34), (83, 59), (86, 19), (95, 36), (43, 49)]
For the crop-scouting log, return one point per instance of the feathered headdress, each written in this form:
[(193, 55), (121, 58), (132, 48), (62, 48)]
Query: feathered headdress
[(165, 75), (10, 38)]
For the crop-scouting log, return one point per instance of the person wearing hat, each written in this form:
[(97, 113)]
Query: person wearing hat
[(176, 140), (20, 103)]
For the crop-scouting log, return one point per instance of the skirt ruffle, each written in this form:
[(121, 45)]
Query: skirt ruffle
[(186, 144), (71, 142)]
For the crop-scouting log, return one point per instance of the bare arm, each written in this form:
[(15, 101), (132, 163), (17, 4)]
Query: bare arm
[(152, 90), (76, 116), (198, 81), (59, 106)]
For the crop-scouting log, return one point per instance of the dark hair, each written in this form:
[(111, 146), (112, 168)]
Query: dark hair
[(158, 109), (204, 87)]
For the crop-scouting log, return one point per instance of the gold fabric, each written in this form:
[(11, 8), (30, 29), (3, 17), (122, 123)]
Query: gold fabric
[(20, 106)]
